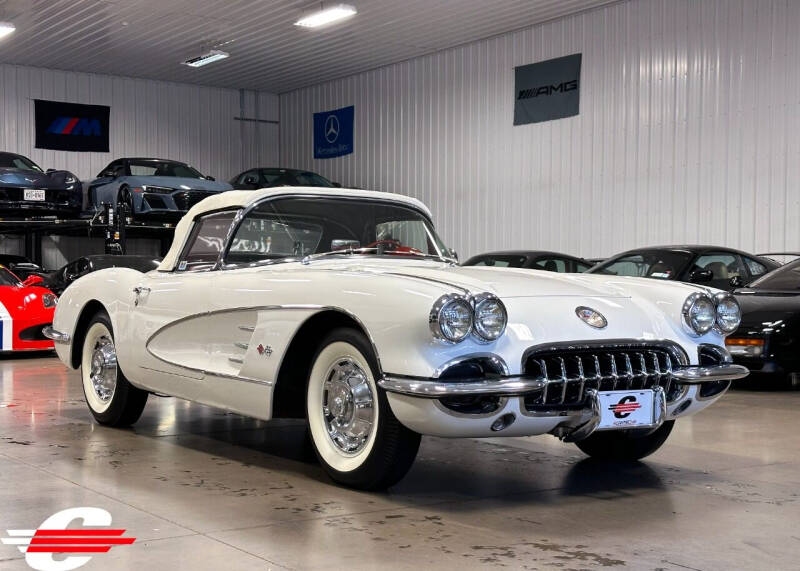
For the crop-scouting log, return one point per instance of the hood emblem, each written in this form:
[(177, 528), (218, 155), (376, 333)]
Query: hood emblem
[(591, 317)]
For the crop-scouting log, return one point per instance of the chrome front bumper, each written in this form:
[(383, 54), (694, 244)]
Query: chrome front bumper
[(55, 335), (438, 388), (521, 385)]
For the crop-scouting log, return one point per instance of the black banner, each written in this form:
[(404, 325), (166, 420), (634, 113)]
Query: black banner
[(71, 126), (547, 90)]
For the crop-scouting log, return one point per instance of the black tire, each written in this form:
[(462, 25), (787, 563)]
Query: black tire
[(126, 402), (389, 448), (624, 444), (125, 197)]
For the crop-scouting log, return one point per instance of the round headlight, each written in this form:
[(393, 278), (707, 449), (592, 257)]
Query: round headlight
[(729, 314), (699, 313), (451, 318), (490, 317)]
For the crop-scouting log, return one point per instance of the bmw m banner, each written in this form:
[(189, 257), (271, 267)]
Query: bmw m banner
[(333, 133), (547, 90), (71, 126)]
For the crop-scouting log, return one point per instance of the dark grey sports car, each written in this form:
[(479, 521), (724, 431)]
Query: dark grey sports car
[(26, 189)]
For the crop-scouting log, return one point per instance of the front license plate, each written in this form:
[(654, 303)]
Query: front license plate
[(33, 194), (625, 409)]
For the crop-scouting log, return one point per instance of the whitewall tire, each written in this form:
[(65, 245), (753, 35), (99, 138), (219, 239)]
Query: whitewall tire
[(111, 399), (355, 435)]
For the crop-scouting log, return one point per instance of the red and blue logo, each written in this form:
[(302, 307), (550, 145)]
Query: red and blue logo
[(75, 126)]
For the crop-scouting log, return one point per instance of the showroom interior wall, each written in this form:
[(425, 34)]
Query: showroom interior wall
[(687, 132), (149, 118)]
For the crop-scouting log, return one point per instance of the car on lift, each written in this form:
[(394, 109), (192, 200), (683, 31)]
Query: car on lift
[(60, 279), (26, 308), (344, 307), (26, 189), (20, 266), (768, 339), (151, 187), (713, 266), (532, 260), (253, 179)]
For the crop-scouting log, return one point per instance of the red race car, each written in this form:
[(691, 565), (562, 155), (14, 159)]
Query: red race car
[(25, 308)]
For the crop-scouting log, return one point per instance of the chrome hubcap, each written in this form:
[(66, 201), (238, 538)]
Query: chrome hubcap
[(104, 368), (348, 406)]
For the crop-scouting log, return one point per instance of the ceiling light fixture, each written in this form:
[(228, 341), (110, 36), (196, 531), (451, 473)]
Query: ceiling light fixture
[(326, 15), (6, 28), (206, 58)]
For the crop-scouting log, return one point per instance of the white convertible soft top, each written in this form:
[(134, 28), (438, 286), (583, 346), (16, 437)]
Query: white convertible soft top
[(244, 198)]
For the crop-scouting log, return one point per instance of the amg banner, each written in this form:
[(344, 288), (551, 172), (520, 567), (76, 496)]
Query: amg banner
[(71, 126), (547, 90), (333, 133)]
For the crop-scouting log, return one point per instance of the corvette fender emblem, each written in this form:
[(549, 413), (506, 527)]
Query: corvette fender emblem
[(264, 350), (591, 317)]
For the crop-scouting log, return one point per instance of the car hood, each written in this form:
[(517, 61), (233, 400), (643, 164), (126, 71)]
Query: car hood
[(180, 183), (18, 297), (762, 309), (29, 179), (503, 282)]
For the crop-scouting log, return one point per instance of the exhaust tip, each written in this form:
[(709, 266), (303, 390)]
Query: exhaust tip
[(503, 422)]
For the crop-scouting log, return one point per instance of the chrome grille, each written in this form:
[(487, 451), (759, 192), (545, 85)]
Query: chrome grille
[(570, 371)]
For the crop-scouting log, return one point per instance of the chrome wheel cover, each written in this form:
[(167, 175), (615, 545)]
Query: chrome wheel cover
[(348, 406), (103, 372)]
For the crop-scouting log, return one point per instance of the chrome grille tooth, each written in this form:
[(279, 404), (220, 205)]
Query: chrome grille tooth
[(614, 375), (543, 365), (629, 374), (563, 378), (643, 367), (581, 376)]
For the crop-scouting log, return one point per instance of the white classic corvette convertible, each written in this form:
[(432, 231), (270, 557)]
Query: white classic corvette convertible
[(345, 308)]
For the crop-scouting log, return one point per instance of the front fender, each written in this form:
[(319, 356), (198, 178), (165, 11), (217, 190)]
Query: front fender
[(109, 288)]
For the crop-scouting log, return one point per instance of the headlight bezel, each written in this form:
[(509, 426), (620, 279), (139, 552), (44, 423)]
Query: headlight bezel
[(477, 301), (725, 297), (435, 317), (689, 304)]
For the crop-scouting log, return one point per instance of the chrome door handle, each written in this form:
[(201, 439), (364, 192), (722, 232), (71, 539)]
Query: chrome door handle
[(139, 290)]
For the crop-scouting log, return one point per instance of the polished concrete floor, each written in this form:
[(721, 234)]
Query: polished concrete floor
[(203, 489)]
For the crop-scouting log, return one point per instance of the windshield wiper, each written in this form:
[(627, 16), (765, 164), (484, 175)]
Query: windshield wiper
[(355, 251), (344, 251)]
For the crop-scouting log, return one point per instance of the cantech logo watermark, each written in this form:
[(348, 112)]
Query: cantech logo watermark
[(53, 538)]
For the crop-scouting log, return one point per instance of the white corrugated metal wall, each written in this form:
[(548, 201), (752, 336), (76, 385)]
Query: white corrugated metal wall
[(148, 118), (689, 132)]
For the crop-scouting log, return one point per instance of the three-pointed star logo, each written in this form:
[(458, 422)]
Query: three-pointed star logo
[(331, 128)]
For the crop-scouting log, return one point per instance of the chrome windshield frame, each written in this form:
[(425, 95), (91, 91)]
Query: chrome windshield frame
[(221, 264)]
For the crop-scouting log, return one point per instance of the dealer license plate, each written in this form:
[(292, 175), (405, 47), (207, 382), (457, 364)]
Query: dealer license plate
[(625, 409), (33, 194)]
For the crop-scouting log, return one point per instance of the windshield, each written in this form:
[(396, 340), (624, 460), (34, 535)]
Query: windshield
[(784, 278), (498, 261), (162, 168), (9, 161), (290, 228), (658, 264), (7, 278)]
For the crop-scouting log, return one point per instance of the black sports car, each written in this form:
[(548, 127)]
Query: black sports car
[(721, 268), (58, 281), (27, 189), (535, 260), (20, 266), (768, 339), (254, 179)]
